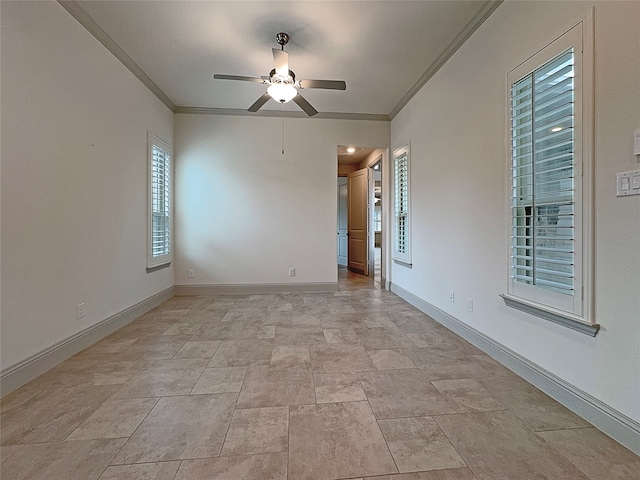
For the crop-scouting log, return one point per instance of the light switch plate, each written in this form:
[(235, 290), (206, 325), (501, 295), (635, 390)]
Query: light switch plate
[(628, 183)]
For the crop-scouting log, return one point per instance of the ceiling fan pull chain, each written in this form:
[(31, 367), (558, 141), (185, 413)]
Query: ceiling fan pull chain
[(283, 129)]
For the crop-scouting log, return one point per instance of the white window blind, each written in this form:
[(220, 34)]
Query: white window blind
[(160, 203), (543, 174), (401, 241), (550, 131)]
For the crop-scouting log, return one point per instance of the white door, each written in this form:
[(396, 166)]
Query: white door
[(342, 221), (358, 194)]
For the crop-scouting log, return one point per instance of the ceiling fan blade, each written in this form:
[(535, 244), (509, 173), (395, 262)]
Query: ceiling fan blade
[(259, 103), (281, 59), (304, 105), (218, 76), (326, 84)]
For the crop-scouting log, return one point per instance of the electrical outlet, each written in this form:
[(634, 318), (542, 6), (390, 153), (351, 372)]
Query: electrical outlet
[(80, 310), (292, 272), (191, 274), (469, 304), (452, 295)]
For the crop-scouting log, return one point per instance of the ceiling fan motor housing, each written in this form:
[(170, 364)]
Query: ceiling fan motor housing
[(282, 39)]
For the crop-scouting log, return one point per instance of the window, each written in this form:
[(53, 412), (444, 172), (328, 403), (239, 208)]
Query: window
[(550, 170), (401, 205), (159, 203)]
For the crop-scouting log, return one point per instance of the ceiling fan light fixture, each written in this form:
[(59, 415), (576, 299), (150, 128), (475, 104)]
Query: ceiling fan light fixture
[(282, 92)]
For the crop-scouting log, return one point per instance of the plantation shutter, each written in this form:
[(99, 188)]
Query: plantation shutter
[(543, 176), (160, 208), (401, 203)]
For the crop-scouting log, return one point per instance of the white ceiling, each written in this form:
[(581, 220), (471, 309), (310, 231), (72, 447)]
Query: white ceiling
[(346, 158), (384, 50)]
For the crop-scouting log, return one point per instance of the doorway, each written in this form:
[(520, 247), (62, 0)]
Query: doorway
[(375, 262), (359, 198)]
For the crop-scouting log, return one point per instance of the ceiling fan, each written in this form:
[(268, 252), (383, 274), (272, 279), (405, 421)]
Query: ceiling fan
[(282, 82)]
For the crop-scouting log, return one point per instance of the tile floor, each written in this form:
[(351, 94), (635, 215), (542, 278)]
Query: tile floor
[(348, 385)]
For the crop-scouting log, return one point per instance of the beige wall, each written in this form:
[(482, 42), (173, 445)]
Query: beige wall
[(457, 128), (74, 180), (246, 213)]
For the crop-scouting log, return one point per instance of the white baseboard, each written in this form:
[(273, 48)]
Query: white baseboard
[(256, 288), (26, 370), (618, 426)]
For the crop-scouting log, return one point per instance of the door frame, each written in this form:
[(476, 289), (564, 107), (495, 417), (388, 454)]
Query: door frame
[(371, 206)]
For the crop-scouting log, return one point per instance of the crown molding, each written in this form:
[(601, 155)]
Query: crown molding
[(94, 29), (77, 12), (488, 8), (281, 114)]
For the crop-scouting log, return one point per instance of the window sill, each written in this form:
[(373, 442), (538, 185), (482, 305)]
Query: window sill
[(404, 263), (566, 320), (155, 268)]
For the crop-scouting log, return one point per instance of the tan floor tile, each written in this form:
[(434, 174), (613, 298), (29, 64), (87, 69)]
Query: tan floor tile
[(532, 406), (338, 387), (336, 440), (241, 316), (146, 326), (339, 358), (299, 335), (144, 471), (49, 415), (198, 349), (491, 366), (80, 460), (181, 428), (305, 320), (87, 369), (183, 328), (219, 331), (323, 374), (277, 385), (402, 393), (157, 346), (341, 308), (114, 419), (390, 359), (466, 395), (163, 378), (276, 319), (382, 339), (412, 323), (220, 380), (448, 474), (208, 315), (342, 320), (257, 430), (443, 339), (271, 466), (268, 331), (498, 445), (344, 335), (242, 353), (279, 307), (7, 450), (418, 444), (290, 355), (112, 344), (311, 309), (435, 339), (437, 366), (595, 454), (379, 321)]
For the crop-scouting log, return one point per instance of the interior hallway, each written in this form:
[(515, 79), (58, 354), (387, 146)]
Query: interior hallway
[(352, 384)]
